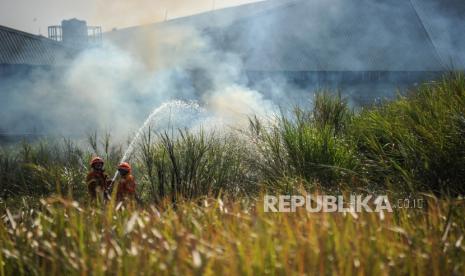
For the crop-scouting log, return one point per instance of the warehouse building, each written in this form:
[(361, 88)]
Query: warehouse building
[(361, 43)]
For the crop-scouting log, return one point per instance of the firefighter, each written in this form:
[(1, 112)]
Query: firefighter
[(126, 187), (97, 180)]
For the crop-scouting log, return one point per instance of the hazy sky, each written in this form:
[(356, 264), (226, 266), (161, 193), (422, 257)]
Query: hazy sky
[(35, 15)]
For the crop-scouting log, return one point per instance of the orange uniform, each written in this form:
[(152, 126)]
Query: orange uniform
[(126, 187), (96, 180)]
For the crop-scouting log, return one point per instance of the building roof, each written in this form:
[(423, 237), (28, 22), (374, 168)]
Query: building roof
[(17, 47), (215, 18), (315, 35)]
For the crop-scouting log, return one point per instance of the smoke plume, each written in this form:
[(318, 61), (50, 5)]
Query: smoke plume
[(115, 86)]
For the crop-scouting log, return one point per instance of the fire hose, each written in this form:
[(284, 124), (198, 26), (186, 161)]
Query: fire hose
[(108, 191)]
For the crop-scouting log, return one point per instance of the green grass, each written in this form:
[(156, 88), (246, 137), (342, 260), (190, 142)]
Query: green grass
[(416, 142), (310, 145), (201, 195), (412, 144), (190, 165)]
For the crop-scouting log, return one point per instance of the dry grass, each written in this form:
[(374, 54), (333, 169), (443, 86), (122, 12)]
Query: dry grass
[(215, 238)]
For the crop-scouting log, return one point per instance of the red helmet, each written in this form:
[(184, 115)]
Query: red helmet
[(124, 166), (96, 160)]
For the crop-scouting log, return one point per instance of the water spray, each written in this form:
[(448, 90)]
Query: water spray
[(181, 106)]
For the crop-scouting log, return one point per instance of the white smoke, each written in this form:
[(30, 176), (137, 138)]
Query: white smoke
[(114, 87)]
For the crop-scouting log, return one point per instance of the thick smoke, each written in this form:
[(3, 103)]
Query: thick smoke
[(215, 62), (109, 88)]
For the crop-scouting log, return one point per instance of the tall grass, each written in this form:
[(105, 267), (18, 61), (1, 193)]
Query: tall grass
[(414, 143), (311, 145), (190, 165), (203, 212), (215, 238), (51, 166), (418, 141), (40, 169), (330, 111)]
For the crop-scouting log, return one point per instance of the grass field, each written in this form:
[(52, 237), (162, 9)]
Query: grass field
[(61, 237), (201, 208)]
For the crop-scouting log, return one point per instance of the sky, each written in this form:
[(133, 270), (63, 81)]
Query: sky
[(34, 16)]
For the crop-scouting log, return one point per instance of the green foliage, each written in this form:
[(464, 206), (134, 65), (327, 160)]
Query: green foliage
[(330, 111), (41, 169), (416, 142), (412, 144), (308, 145), (50, 166), (190, 165)]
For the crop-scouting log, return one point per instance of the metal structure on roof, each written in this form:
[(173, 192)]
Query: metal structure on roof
[(75, 32)]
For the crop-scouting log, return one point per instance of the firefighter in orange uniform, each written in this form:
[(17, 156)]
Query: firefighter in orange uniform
[(97, 180), (126, 187)]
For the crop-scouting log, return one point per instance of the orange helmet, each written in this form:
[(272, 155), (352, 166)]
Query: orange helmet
[(124, 166), (96, 160)]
